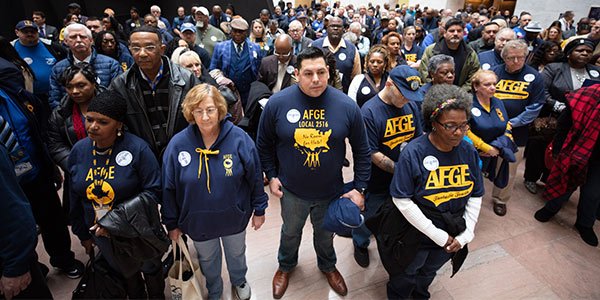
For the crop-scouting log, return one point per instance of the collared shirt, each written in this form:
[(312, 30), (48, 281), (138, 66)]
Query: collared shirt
[(85, 60), (156, 79), (342, 44), (281, 69)]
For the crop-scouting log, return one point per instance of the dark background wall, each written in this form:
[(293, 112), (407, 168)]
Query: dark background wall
[(12, 11)]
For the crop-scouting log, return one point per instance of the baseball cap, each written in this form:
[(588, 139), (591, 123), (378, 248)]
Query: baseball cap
[(25, 24), (301, 15), (239, 24), (74, 5), (407, 80), (188, 27), (342, 216), (202, 10), (533, 27)]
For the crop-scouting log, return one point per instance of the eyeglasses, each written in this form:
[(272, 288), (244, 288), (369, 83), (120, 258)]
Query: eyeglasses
[(200, 112), (283, 55), (136, 49), (515, 58), (454, 127)]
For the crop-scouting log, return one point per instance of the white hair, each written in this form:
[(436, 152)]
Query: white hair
[(155, 7), (77, 26), (355, 25)]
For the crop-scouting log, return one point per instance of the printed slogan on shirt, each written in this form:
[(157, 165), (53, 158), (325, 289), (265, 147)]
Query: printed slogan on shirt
[(312, 136)]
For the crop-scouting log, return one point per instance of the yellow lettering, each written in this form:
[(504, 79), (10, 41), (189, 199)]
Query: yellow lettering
[(316, 114), (397, 125), (410, 57), (511, 90), (101, 172), (447, 177)]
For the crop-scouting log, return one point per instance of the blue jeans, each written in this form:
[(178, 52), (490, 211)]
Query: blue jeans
[(361, 235), (210, 258), (417, 277), (589, 198), (294, 212)]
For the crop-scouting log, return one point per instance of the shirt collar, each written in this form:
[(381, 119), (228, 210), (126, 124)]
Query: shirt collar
[(326, 43), (86, 60)]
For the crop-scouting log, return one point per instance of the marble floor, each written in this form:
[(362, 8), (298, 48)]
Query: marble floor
[(511, 257)]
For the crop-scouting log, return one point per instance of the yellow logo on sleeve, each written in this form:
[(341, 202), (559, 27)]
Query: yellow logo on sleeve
[(455, 178), (511, 90)]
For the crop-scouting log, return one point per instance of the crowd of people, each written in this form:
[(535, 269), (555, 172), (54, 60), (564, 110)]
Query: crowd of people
[(131, 119)]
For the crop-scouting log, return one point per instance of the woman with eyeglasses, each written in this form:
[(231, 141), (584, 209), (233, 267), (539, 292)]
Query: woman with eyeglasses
[(441, 209), (365, 86), (108, 44), (212, 187)]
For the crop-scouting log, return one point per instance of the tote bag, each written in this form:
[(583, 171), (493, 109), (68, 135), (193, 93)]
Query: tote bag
[(188, 288)]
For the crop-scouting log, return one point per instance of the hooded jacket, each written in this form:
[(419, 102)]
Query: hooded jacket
[(210, 193)]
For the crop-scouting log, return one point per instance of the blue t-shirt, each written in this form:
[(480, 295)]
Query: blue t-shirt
[(98, 182), (302, 141), (414, 54), (436, 180), (488, 125), (389, 129), (522, 94), (41, 62)]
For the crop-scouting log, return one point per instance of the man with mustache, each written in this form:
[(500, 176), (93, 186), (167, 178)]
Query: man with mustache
[(79, 40), (466, 62)]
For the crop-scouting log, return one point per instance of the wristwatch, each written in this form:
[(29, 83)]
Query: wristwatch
[(362, 191)]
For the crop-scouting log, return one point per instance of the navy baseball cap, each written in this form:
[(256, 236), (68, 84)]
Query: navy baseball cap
[(407, 80), (187, 26), (25, 24), (342, 216)]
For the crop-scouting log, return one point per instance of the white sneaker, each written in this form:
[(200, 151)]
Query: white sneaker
[(243, 291)]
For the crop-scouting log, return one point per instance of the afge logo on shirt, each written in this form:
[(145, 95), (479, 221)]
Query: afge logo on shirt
[(453, 182)]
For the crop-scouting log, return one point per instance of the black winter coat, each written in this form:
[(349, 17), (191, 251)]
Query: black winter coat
[(136, 232)]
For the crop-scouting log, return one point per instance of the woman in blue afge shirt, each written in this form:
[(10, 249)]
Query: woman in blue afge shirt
[(437, 186)]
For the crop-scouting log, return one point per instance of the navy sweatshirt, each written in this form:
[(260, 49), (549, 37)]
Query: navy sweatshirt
[(132, 168), (18, 237), (210, 193), (302, 141)]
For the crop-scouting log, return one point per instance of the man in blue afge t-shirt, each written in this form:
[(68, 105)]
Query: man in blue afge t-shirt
[(302, 143), (392, 119), (521, 89)]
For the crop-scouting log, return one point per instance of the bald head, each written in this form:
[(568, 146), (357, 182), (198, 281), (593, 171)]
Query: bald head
[(283, 48)]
